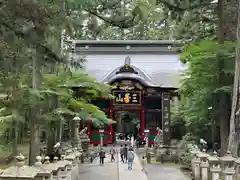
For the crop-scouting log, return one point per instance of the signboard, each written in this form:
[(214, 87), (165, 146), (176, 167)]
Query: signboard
[(166, 117), (127, 97)]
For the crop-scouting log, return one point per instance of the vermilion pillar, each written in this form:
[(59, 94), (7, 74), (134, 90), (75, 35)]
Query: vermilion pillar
[(142, 123)]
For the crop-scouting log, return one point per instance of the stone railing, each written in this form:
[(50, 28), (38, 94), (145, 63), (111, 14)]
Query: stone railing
[(206, 167), (66, 168)]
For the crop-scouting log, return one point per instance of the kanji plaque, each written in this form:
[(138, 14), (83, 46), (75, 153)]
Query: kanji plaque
[(127, 97)]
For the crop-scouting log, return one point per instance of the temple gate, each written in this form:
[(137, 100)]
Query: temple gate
[(144, 74)]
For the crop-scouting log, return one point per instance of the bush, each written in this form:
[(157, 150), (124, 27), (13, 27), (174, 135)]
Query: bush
[(186, 159)]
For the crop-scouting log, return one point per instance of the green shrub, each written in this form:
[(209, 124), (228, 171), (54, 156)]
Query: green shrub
[(186, 159)]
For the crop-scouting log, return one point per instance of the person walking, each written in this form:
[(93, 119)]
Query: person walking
[(143, 162), (131, 149), (101, 157), (130, 158), (122, 153), (112, 152), (125, 152)]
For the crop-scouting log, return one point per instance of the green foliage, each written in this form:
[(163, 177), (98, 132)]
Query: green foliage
[(200, 86), (186, 159)]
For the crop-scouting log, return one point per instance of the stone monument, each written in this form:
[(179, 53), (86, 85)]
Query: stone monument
[(158, 141), (84, 140), (162, 151)]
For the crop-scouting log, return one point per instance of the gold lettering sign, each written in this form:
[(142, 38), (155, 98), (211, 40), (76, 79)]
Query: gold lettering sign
[(127, 97)]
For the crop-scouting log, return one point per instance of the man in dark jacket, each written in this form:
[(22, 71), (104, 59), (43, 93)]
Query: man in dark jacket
[(101, 157), (125, 152), (122, 153)]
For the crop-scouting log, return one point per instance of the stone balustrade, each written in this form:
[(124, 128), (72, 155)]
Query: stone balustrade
[(66, 168), (205, 166)]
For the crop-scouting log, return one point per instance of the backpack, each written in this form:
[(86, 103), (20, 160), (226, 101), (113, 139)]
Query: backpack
[(130, 156)]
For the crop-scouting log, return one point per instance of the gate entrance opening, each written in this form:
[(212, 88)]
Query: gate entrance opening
[(127, 124)]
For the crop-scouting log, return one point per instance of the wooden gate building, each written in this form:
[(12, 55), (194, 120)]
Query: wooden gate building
[(145, 75)]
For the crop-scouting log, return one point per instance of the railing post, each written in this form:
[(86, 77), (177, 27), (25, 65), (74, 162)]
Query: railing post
[(196, 165), (228, 166), (237, 169), (215, 168), (204, 165)]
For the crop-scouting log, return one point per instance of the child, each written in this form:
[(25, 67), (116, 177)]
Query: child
[(143, 162)]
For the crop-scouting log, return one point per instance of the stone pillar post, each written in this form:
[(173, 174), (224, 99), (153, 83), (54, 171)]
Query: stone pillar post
[(101, 131), (63, 167), (204, 165), (70, 157), (215, 167), (77, 138), (44, 173), (53, 167), (146, 133), (237, 169), (77, 155), (196, 165), (228, 166)]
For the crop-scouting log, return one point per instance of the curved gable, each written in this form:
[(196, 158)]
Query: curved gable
[(127, 71)]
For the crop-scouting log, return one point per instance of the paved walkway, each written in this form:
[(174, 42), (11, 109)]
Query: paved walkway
[(118, 171), (136, 173), (94, 171), (165, 172)]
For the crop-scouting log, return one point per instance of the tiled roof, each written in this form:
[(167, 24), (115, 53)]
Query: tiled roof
[(159, 69)]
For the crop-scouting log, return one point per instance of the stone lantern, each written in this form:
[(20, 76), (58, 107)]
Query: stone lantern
[(20, 171), (70, 157), (215, 166), (77, 120), (227, 162), (43, 174), (54, 167), (77, 154), (63, 165)]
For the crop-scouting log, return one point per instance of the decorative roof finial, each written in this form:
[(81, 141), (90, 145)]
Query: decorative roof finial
[(127, 61)]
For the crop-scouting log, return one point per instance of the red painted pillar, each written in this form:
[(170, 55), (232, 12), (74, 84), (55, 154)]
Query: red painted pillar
[(142, 123), (110, 116)]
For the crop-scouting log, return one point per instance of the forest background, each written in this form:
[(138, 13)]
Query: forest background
[(35, 70)]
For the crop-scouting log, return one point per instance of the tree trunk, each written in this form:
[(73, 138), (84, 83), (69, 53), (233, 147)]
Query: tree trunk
[(226, 27), (14, 138), (50, 139), (221, 111), (234, 139), (223, 123), (34, 149)]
